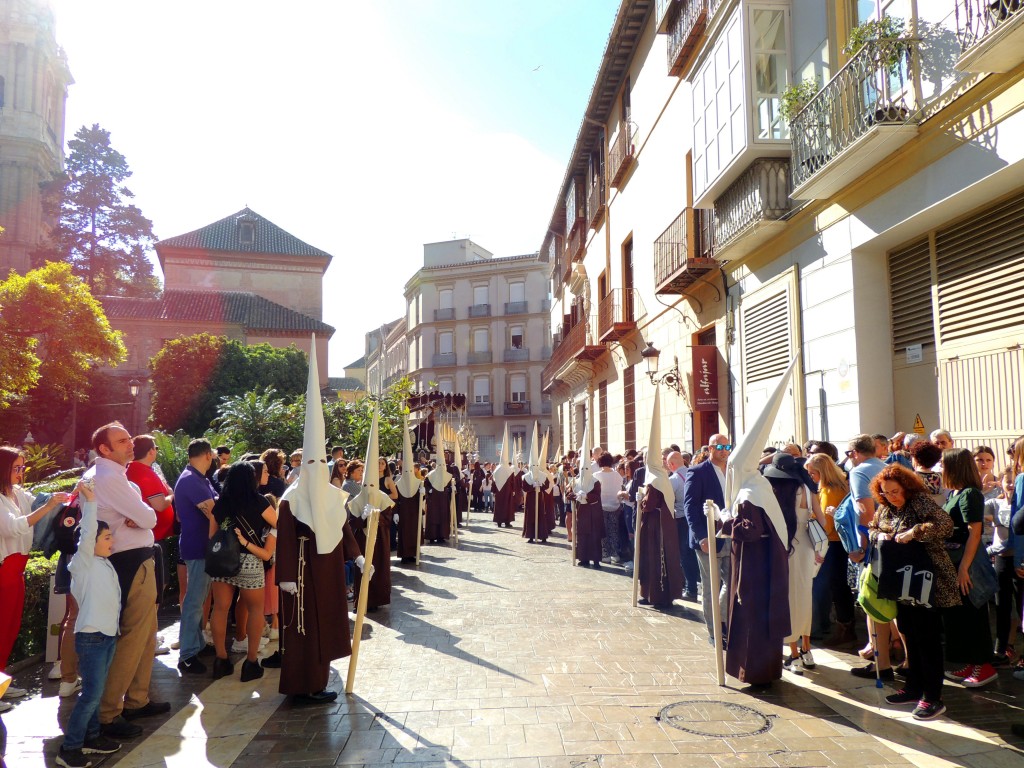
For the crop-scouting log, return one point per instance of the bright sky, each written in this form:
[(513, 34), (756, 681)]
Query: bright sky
[(364, 128)]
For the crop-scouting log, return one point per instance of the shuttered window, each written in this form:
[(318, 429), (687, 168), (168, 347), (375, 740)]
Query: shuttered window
[(766, 338), (602, 405), (910, 296), (629, 405), (980, 262)]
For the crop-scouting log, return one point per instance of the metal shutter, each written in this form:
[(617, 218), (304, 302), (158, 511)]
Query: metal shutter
[(766, 338), (980, 399), (910, 296), (629, 405), (980, 262)]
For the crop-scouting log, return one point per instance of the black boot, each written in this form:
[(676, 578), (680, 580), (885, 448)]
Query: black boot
[(222, 668), (251, 670)]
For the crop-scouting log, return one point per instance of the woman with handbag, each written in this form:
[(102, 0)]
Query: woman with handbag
[(968, 639), (906, 515), (241, 508)]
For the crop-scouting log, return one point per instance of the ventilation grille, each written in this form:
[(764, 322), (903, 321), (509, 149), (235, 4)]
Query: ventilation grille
[(766, 339), (910, 296)]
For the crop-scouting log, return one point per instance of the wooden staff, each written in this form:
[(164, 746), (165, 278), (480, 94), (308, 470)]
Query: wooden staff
[(364, 590), (419, 527), (536, 513), (636, 549), (716, 611), (453, 513)]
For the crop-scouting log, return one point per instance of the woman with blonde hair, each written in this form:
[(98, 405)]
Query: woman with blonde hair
[(831, 589)]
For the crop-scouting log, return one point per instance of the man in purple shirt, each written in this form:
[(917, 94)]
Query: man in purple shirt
[(119, 504), (194, 497)]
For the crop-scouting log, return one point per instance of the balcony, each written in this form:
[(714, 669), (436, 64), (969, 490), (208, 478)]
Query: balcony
[(516, 355), (517, 407), (545, 406), (477, 358), (684, 252), (617, 313), (685, 28), (545, 305), (991, 34), (444, 314), (748, 212), (443, 358), (480, 409), (621, 158), (517, 307), (576, 242), (579, 344), (596, 204), (480, 310), (864, 114)]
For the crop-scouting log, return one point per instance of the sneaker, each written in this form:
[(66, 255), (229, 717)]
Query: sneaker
[(15, 693), (902, 697), (242, 646), (73, 758), (54, 673), (222, 668), (251, 670), (807, 660), (208, 635), (275, 634), (5, 706), (1009, 656), (191, 666), (176, 645), (790, 663), (149, 709), (928, 710), (120, 729), (161, 650), (868, 673), (70, 689), (983, 675), (100, 745), (961, 674)]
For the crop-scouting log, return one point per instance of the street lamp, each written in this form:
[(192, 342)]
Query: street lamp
[(133, 389), (671, 378)]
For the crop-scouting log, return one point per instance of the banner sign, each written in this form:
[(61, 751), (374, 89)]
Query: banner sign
[(705, 378)]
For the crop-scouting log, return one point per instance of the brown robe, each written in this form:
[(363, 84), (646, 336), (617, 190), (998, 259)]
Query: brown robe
[(408, 510), (306, 657), (544, 514), (661, 571), (461, 496), (379, 592), (758, 598), (438, 515), (504, 503), (589, 524)]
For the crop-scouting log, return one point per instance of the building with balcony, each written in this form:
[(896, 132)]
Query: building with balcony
[(478, 324), (387, 356)]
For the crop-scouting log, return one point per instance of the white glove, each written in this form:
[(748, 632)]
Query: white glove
[(361, 565), (721, 514), (289, 586), (366, 512)]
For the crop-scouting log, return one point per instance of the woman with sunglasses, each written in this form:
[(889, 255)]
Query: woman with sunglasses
[(16, 522)]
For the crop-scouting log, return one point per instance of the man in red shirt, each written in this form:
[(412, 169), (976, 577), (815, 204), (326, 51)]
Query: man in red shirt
[(152, 487)]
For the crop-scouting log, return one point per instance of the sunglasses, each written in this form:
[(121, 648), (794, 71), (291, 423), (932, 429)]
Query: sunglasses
[(722, 446), (849, 454)]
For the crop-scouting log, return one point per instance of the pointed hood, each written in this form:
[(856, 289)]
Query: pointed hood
[(543, 463), (439, 476), (743, 479), (371, 494), (311, 498), (457, 450), (586, 481), (533, 476), (408, 483), (502, 472), (656, 475)]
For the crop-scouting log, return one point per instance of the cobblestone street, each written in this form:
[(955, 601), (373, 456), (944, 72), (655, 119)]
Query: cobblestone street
[(498, 654)]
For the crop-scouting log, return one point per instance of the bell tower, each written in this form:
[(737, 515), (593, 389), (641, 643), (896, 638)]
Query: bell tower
[(34, 80)]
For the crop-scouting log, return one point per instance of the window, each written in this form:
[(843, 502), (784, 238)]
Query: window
[(480, 295), (444, 297), (247, 232), (480, 336), (445, 385), (771, 67), (516, 337), (518, 435), (517, 291), (445, 343), (481, 389), (517, 387)]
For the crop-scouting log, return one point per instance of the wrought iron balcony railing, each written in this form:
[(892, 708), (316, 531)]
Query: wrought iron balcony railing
[(977, 21), (617, 313), (620, 155), (480, 409), (476, 358), (480, 310), (444, 314), (516, 355), (761, 193), (517, 307), (545, 406), (684, 251), (517, 407), (579, 343), (444, 358), (873, 88), (684, 33)]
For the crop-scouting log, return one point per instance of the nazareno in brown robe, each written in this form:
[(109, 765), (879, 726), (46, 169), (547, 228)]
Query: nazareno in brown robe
[(589, 525), (504, 503), (544, 514), (758, 598), (306, 657), (461, 495), (408, 510), (661, 572), (438, 513), (379, 592)]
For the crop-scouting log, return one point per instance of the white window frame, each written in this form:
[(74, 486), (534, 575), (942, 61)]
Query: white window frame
[(512, 334), (444, 293), (519, 395), (521, 284), (784, 75), (486, 338), (446, 385), (486, 294), (479, 397), (441, 337)]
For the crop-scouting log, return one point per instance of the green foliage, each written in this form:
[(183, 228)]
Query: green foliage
[(65, 480), (258, 418), (32, 636), (886, 28), (192, 374), (52, 333), (172, 451), (41, 460), (389, 425), (99, 231), (796, 96)]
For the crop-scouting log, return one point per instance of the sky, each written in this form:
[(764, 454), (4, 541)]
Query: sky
[(364, 129)]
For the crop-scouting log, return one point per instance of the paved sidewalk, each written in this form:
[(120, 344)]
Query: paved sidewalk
[(500, 654)]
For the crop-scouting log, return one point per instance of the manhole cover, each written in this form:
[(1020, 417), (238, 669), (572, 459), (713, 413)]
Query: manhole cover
[(718, 719)]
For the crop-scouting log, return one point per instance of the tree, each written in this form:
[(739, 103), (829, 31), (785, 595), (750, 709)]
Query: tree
[(260, 419), (98, 231), (52, 333), (389, 424), (192, 374)]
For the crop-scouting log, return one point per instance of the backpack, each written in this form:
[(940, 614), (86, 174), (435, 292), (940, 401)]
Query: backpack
[(847, 524), (66, 523)]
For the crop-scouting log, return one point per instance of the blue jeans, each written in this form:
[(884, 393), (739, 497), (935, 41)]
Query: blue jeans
[(190, 635), (95, 652)]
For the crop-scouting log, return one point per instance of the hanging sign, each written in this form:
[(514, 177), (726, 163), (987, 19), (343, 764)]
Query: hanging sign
[(705, 378)]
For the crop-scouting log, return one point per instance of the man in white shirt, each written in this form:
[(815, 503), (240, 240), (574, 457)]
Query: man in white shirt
[(131, 520)]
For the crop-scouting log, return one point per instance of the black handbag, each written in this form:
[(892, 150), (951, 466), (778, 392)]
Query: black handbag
[(223, 554)]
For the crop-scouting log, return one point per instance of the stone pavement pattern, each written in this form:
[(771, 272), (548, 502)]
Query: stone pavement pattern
[(499, 654)]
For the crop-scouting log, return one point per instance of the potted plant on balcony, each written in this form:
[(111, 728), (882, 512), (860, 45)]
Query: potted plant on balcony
[(887, 52), (796, 96)]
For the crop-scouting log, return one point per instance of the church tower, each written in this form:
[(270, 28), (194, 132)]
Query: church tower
[(34, 80)]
